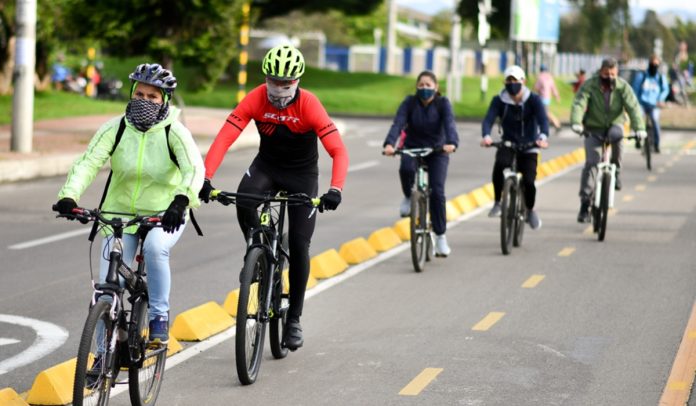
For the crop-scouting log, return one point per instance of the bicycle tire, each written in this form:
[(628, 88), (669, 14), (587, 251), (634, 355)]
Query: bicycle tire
[(507, 215), (93, 387), (604, 206), (520, 219), (418, 226), (250, 328), (145, 377), (647, 148), (281, 302)]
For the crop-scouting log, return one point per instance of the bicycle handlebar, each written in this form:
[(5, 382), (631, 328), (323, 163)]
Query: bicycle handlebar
[(227, 198), (84, 216), (418, 152), (513, 145)]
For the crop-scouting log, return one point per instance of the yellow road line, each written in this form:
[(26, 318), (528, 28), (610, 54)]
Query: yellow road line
[(640, 187), (533, 281), (660, 170), (588, 230), (652, 178), (628, 198), (681, 377), (566, 252), (488, 321), (420, 382)]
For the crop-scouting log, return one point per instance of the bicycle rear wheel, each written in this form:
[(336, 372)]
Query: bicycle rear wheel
[(520, 219), (281, 303), (508, 207), (144, 378), (419, 230), (250, 326), (93, 381), (604, 206)]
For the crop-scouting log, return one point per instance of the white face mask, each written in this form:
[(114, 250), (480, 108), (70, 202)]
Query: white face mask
[(280, 96)]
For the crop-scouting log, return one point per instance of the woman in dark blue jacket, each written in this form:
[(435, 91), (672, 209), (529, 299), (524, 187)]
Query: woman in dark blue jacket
[(428, 121), (523, 120)]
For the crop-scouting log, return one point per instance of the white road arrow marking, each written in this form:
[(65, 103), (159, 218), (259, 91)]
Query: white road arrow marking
[(7, 341), (48, 338)]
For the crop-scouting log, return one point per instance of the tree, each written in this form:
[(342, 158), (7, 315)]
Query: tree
[(273, 8), (499, 19)]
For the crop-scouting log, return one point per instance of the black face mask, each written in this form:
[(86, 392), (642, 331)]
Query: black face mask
[(608, 81), (513, 88), (652, 69)]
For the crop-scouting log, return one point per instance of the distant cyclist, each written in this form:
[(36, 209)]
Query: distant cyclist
[(427, 120), (523, 120), (145, 180), (289, 120), (545, 87), (598, 112), (652, 88)]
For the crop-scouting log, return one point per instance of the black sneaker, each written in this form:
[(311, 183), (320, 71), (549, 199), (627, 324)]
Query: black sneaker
[(638, 143), (292, 336), (584, 214), (657, 149), (617, 182)]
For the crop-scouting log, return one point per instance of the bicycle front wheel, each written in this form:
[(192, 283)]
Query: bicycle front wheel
[(94, 375), (520, 219), (508, 213), (281, 303), (250, 325), (145, 378), (604, 206), (419, 230)]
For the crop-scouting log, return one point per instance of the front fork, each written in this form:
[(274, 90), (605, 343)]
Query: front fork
[(601, 168)]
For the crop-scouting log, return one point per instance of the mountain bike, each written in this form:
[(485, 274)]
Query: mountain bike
[(115, 336), (513, 210), (647, 143), (263, 294), (603, 195), (421, 235)]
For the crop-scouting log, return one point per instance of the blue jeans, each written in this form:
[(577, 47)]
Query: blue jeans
[(653, 113), (158, 244)]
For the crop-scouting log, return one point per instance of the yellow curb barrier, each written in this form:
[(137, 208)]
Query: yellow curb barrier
[(403, 229), (327, 264), (480, 197), (546, 169), (356, 251), (559, 162), (541, 172), (579, 155), (173, 346), (488, 188), (569, 159), (553, 165), (452, 212), (311, 282), (465, 203), (230, 304), (201, 322), (384, 239), (53, 386), (8, 397)]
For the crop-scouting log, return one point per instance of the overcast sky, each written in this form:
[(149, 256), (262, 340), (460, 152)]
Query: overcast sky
[(433, 6)]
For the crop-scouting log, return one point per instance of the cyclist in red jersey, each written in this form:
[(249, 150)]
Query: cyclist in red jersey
[(289, 121)]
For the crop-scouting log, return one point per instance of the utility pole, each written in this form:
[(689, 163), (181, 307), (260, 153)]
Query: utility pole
[(484, 33), (391, 38), (454, 80), (23, 75)]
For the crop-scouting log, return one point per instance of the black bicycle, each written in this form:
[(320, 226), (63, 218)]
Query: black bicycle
[(420, 227), (263, 294), (115, 336), (513, 210)]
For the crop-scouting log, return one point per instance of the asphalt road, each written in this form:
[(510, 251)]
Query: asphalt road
[(601, 327)]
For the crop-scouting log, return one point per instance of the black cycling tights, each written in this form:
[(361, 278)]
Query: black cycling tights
[(526, 164), (260, 179)]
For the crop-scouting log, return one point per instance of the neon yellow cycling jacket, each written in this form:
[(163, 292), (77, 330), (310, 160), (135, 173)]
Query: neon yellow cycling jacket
[(145, 179)]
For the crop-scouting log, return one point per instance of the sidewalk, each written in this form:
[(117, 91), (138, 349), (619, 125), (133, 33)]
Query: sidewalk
[(56, 143)]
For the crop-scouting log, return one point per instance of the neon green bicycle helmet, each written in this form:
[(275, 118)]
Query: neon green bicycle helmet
[(284, 62)]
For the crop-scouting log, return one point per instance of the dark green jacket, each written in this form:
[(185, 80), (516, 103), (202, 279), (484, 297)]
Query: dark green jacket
[(588, 106)]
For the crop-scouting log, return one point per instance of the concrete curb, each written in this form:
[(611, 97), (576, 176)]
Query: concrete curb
[(54, 385), (8, 397), (201, 322), (384, 239), (356, 251), (327, 264)]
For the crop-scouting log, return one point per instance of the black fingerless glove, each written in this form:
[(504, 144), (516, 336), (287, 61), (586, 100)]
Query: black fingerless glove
[(330, 200), (174, 217), (65, 206), (204, 194)]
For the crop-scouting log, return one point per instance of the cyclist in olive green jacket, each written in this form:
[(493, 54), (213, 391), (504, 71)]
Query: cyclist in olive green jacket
[(598, 113), (156, 168)]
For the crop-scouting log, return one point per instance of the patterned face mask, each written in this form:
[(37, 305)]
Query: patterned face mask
[(144, 114), (281, 96)]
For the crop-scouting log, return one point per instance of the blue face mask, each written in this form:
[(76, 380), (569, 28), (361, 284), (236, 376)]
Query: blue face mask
[(425, 94), (513, 88)]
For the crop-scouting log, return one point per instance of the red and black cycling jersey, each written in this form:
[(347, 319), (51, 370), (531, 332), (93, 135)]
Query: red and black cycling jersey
[(288, 136)]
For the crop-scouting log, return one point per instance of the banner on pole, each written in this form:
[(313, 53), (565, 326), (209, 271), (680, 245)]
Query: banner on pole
[(535, 20)]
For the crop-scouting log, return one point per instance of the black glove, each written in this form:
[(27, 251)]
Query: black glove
[(65, 206), (174, 216), (204, 194), (330, 200)]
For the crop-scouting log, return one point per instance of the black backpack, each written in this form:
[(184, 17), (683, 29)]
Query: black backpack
[(119, 134)]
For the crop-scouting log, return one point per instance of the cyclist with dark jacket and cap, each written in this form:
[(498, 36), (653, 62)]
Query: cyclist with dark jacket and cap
[(290, 121), (523, 120), (145, 180), (598, 113)]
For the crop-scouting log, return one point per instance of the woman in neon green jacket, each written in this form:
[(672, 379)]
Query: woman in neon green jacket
[(156, 168)]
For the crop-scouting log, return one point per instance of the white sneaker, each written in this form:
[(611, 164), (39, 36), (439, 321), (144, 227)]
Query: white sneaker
[(495, 210), (405, 207), (441, 247)]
